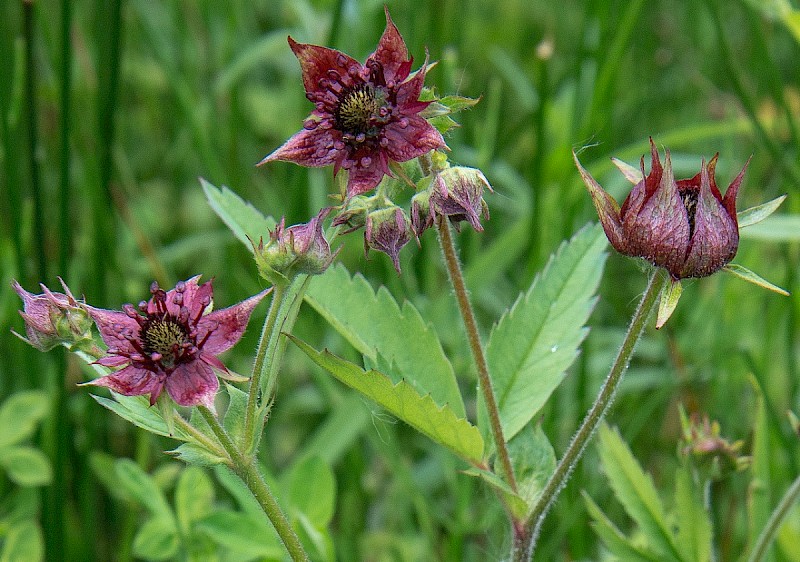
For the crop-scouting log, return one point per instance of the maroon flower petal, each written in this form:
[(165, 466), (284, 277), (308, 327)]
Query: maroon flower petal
[(226, 326), (193, 384), (659, 231), (607, 208), (363, 179), (196, 297), (314, 148), (132, 381), (409, 91), (716, 236), (391, 53), (411, 137), (316, 62), (115, 328)]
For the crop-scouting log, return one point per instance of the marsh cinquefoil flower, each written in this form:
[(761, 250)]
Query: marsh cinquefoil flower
[(172, 344), (685, 226), (365, 115)]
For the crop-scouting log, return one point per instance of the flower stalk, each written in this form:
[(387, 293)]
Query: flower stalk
[(775, 521), (247, 470), (471, 326), (526, 542)]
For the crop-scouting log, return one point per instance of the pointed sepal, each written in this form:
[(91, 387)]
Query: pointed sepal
[(751, 277), (670, 295), (758, 213)]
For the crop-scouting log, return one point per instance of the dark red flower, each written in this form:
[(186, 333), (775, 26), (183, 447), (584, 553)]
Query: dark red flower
[(365, 115), (685, 226), (173, 344)]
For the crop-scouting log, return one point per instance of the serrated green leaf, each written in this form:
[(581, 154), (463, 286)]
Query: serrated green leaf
[(636, 492), (157, 539), (243, 534), (373, 321), (26, 466), (532, 346), (137, 410), (777, 228), (194, 495), (316, 502), (616, 542), (241, 217), (694, 526), (751, 277), (20, 414), (139, 485), (23, 542), (533, 459), (443, 123), (758, 213), (458, 103), (439, 423)]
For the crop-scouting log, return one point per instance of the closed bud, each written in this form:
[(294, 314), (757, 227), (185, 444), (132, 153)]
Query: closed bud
[(388, 230), (52, 319), (421, 218), (457, 193), (354, 213), (298, 249)]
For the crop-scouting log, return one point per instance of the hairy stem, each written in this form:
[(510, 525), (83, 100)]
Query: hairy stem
[(774, 523), (247, 470), (526, 543), (258, 366), (462, 296)]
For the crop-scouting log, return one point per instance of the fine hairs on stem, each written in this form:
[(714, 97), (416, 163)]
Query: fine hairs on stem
[(596, 413)]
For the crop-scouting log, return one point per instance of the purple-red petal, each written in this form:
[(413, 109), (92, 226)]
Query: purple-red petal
[(313, 148), (316, 62), (132, 381), (226, 326), (116, 328), (418, 137), (391, 52), (193, 384)]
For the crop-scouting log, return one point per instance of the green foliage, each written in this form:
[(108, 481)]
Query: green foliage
[(374, 324), (246, 222), (532, 346), (439, 423)]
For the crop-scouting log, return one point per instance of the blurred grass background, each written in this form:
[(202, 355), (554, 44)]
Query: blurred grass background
[(111, 110)]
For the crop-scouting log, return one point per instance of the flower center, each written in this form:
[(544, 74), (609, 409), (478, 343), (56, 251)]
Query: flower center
[(689, 198), (356, 110), (164, 335)]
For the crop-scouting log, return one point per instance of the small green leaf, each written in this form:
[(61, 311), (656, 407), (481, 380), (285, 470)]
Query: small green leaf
[(244, 220), (142, 487), (751, 277), (670, 295), (103, 467), (531, 347), (439, 423), (635, 490), (20, 414), (619, 545), (758, 213), (137, 410), (518, 506), (372, 320), (244, 534), (777, 228), (694, 526), (26, 466), (192, 453), (194, 494), (316, 501), (157, 539), (23, 542), (234, 415)]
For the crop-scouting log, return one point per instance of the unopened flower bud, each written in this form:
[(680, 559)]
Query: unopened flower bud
[(421, 218), (457, 193), (388, 230), (715, 456), (298, 249), (53, 318)]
